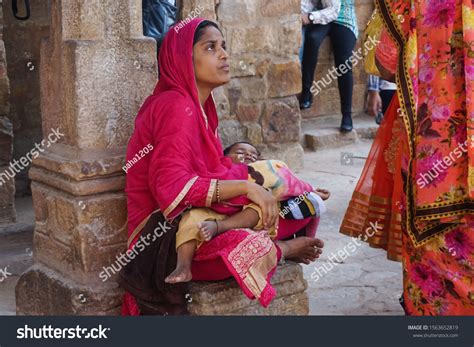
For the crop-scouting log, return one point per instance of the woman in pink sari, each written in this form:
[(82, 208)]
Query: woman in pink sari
[(186, 169)]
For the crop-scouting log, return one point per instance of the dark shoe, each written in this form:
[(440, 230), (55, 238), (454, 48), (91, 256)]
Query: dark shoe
[(306, 100), (305, 104), (346, 124)]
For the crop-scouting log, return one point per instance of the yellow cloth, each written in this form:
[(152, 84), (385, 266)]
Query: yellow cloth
[(188, 226), (372, 33)]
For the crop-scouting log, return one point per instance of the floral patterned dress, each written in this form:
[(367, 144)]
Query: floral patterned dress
[(431, 198)]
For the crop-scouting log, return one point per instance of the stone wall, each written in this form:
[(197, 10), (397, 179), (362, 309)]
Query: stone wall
[(7, 184), (327, 102), (260, 104), (22, 42), (96, 70)]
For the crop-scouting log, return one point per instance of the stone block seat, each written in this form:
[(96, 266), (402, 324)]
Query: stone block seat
[(226, 297)]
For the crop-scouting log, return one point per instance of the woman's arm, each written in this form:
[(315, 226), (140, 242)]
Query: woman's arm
[(255, 192), (173, 179)]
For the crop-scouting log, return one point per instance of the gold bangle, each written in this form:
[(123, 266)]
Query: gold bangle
[(218, 192)]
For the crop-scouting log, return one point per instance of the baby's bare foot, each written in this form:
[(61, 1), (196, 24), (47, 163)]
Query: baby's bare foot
[(208, 229), (180, 274)]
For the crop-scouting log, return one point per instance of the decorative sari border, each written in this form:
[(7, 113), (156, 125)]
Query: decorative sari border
[(372, 198), (180, 196), (407, 103), (210, 193)]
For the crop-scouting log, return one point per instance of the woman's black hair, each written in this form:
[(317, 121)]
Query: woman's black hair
[(228, 149), (200, 29)]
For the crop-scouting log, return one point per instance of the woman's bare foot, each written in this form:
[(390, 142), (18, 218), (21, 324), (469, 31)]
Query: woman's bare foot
[(302, 249), (180, 274), (208, 229)]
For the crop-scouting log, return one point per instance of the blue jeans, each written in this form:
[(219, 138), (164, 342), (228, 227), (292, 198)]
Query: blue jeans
[(303, 33)]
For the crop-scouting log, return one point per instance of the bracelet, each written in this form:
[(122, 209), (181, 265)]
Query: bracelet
[(218, 192)]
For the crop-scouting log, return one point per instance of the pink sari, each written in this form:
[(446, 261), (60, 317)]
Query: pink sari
[(181, 172)]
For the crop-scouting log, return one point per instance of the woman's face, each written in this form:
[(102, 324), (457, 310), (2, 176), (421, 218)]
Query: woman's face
[(210, 59)]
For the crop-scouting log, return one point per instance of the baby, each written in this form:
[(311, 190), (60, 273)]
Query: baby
[(202, 224)]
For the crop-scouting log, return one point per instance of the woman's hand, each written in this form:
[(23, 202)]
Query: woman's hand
[(267, 202)]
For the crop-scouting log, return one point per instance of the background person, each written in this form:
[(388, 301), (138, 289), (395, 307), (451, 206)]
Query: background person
[(336, 19)]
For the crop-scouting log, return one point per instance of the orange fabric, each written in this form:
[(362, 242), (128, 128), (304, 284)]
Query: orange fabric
[(435, 78), (386, 52)]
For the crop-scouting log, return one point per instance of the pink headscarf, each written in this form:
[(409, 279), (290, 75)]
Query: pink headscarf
[(187, 152)]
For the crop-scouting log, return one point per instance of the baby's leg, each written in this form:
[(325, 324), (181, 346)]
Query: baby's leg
[(182, 273), (247, 218)]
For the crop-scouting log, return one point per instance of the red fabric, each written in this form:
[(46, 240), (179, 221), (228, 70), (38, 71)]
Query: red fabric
[(172, 122), (214, 268), (387, 52), (184, 148)]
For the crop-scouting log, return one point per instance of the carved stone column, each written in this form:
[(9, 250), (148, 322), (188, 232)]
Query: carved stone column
[(96, 69)]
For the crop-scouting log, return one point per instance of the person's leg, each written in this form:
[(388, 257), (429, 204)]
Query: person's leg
[(188, 239), (247, 218), (303, 32), (314, 36), (182, 273), (343, 42)]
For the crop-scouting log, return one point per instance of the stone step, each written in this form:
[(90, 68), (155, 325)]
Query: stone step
[(16, 247), (226, 297), (323, 132)]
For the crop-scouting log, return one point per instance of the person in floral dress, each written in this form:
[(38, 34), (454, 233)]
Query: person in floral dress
[(418, 181)]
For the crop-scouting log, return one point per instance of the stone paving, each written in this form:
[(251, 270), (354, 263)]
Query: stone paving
[(365, 283), (15, 252)]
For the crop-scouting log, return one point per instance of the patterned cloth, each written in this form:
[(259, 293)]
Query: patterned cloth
[(419, 179), (323, 11), (337, 11), (375, 83), (347, 16), (296, 197), (303, 206)]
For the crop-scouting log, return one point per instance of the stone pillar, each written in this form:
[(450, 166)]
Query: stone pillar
[(96, 69), (22, 42), (7, 183), (259, 104)]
